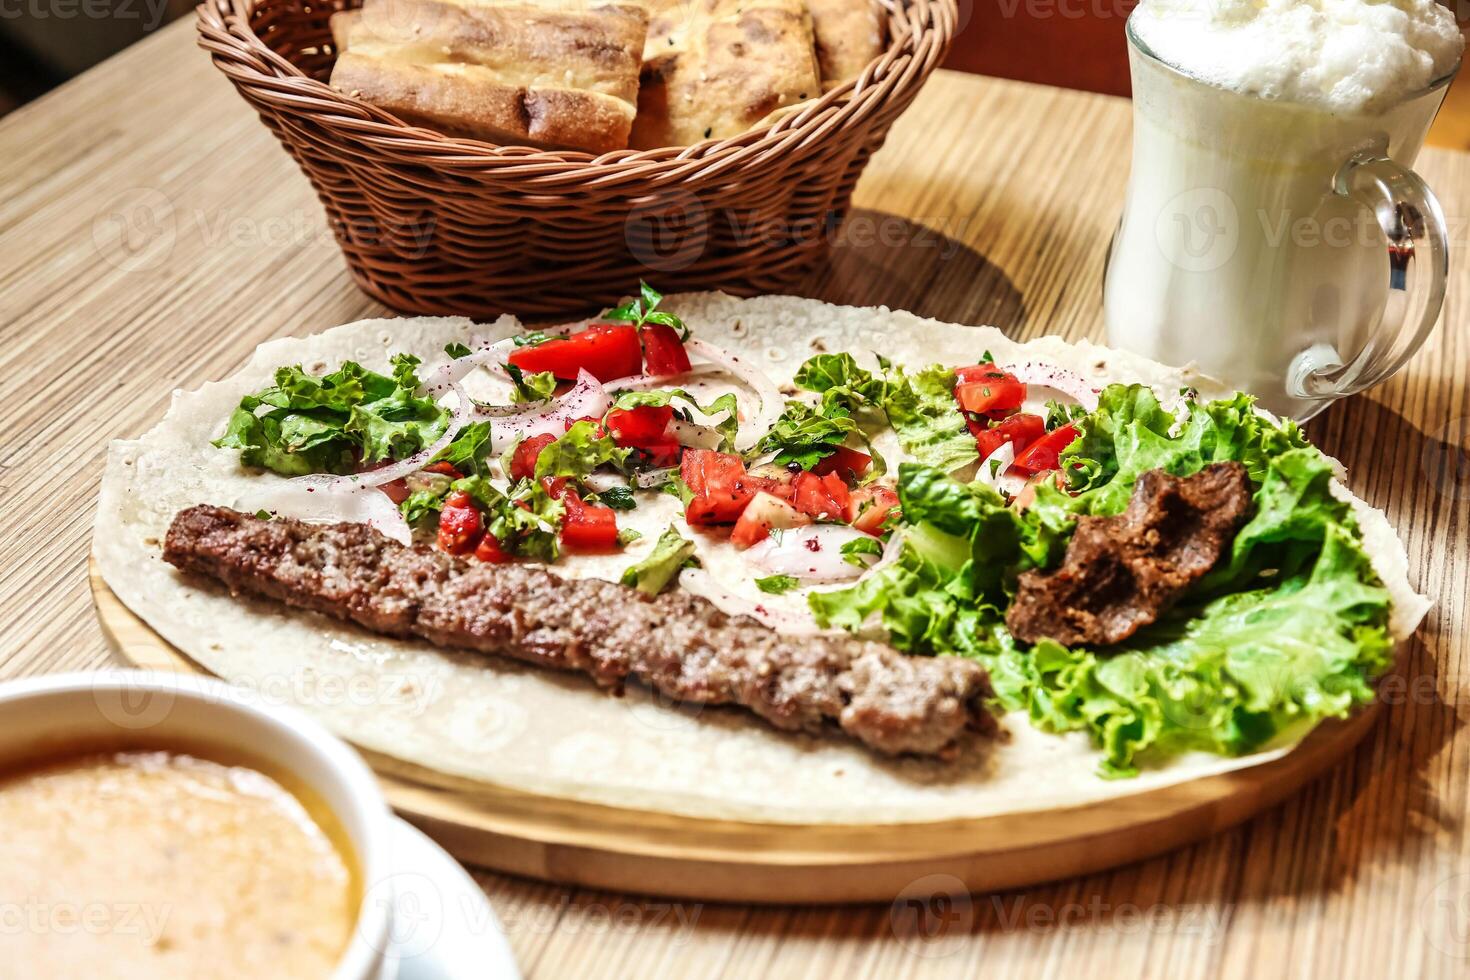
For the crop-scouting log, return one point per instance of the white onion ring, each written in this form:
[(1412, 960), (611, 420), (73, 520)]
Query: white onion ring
[(644, 382), (695, 435), (794, 554), (587, 399), (1059, 379), (1003, 481), (649, 479), (326, 505), (451, 374), (699, 582), (771, 402)]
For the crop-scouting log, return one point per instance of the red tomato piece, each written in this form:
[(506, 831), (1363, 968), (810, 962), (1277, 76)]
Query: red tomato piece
[(397, 490), (764, 512), (844, 461), (719, 485), (444, 469), (1020, 430), (588, 528), (608, 351), (663, 350), (1042, 454), (996, 392), (460, 526), (488, 550), (640, 426), (825, 498), (665, 452), (523, 460), (870, 507)]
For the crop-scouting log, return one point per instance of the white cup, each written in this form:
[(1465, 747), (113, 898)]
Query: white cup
[(1286, 250), (179, 709)]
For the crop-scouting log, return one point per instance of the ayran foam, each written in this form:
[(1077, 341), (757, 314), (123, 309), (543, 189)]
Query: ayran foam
[(1344, 55)]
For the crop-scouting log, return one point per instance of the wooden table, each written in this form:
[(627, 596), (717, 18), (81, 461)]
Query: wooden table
[(993, 202)]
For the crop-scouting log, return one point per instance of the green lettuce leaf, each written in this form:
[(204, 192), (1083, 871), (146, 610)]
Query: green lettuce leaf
[(1290, 627), (929, 426), (335, 422), (583, 449)]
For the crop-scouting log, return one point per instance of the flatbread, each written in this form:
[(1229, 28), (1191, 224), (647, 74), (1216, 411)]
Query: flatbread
[(849, 34), (717, 68), (538, 75), (492, 721)]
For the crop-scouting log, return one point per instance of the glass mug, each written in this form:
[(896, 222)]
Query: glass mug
[(1284, 249)]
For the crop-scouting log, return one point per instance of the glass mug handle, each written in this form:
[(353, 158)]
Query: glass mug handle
[(1418, 265)]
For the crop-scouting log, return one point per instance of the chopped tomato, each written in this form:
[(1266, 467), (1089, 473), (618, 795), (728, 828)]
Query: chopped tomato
[(764, 512), (986, 370), (719, 486), (555, 486), (639, 426), (444, 469), (397, 490), (822, 497), (606, 350), (1020, 430), (989, 394), (844, 461), (587, 528), (489, 550), (664, 350), (664, 452), (459, 524), (523, 460), (870, 507), (1042, 454)]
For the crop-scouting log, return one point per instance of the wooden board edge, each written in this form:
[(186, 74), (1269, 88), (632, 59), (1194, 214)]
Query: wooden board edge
[(732, 861)]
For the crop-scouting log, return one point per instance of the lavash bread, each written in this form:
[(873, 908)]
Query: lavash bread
[(717, 68), (849, 35), (461, 719), (556, 76)]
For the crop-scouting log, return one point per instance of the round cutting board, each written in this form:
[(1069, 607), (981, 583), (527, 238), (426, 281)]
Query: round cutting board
[(658, 853)]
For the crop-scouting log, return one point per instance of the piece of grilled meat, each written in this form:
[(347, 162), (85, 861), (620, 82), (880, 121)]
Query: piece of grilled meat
[(1120, 573), (676, 643)]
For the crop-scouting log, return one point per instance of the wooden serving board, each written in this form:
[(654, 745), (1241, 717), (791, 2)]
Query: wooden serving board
[(649, 852)]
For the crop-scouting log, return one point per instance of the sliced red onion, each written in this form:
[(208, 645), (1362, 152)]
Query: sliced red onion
[(1058, 379), (995, 473), (699, 582), (587, 399), (771, 402), (812, 553)]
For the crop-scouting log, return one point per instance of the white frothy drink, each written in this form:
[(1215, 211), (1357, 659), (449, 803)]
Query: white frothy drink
[(1342, 55), (1248, 238)]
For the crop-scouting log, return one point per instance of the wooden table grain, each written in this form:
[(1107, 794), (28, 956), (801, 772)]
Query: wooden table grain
[(152, 233)]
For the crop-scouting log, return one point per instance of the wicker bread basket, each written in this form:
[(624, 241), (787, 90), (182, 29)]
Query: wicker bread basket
[(438, 225)]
